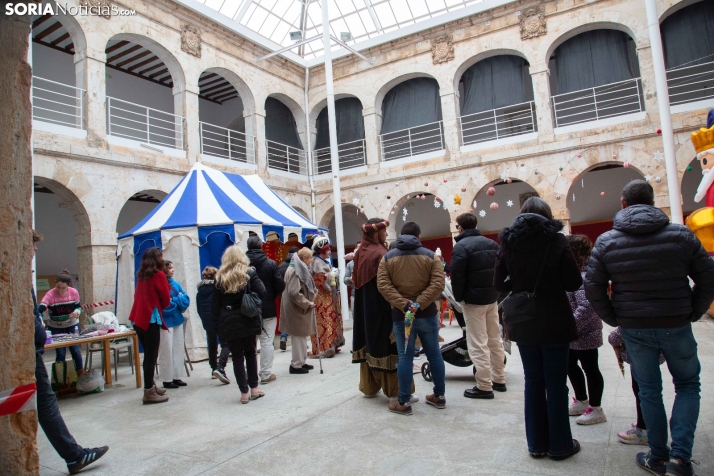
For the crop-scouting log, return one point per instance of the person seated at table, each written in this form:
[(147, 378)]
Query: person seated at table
[(63, 307)]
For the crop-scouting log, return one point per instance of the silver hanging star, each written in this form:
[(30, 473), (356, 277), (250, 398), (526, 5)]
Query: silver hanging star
[(509, 203), (482, 213)]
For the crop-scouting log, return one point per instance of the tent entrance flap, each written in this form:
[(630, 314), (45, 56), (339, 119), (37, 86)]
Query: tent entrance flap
[(141, 244), (213, 241)]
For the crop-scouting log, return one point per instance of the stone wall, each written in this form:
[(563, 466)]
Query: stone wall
[(18, 432)]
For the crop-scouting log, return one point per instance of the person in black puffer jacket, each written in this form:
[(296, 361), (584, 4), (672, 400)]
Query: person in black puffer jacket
[(237, 330), (203, 305), (533, 240), (472, 263), (274, 284), (282, 268), (649, 262)]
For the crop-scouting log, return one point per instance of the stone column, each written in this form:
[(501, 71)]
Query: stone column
[(18, 432), (372, 122), (98, 267), (186, 105), (452, 139), (649, 90), (261, 153), (91, 76), (250, 131), (544, 108)]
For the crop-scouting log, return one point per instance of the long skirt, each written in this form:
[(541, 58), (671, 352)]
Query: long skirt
[(329, 320)]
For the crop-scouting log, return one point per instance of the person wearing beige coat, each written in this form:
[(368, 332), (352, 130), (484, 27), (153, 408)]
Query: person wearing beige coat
[(297, 309)]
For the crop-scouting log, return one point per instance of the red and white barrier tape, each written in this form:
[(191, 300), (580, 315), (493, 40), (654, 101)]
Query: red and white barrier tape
[(19, 399), (97, 304)]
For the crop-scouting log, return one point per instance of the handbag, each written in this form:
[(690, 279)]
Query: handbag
[(251, 306), (520, 307)]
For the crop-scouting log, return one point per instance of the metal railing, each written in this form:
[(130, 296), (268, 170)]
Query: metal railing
[(57, 103), (286, 158), (690, 83), (498, 123), (227, 143), (352, 154), (413, 141), (144, 124), (600, 102)]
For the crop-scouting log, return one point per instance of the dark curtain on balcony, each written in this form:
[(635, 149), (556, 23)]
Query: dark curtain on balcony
[(350, 123), (412, 103), (280, 124), (496, 82), (593, 58), (688, 35)]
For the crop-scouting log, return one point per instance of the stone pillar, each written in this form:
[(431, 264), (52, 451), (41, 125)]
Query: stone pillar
[(97, 266), (372, 122), (261, 153), (91, 76), (186, 105), (544, 108), (250, 128), (452, 139), (649, 89), (18, 432)]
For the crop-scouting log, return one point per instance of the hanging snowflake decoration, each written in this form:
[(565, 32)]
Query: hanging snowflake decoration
[(504, 177), (355, 202), (482, 213), (389, 204), (648, 178), (437, 203), (658, 155), (475, 204), (509, 203)]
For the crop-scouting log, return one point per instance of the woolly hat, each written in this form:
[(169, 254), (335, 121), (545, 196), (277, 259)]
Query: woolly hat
[(319, 243)]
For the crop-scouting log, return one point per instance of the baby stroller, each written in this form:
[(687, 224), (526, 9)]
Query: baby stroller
[(456, 352)]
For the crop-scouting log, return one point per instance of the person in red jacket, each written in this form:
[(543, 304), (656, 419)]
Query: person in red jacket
[(150, 298)]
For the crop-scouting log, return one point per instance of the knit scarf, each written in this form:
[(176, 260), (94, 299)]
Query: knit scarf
[(367, 259), (303, 273)]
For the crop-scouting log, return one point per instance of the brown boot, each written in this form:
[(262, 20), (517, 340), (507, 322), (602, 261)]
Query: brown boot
[(150, 396), (80, 372), (160, 390)]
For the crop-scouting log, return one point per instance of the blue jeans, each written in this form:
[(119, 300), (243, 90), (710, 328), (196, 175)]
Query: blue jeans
[(427, 329), (61, 353), (680, 352), (284, 336), (49, 416), (546, 398)]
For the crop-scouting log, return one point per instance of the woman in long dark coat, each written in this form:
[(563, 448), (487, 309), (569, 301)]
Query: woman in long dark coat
[(532, 240)]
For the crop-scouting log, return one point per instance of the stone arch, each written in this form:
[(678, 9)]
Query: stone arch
[(298, 114), (352, 217), (482, 56), (675, 6), (589, 26), (514, 190), (75, 30), (136, 207), (319, 106), (302, 212), (244, 91), (177, 73), (386, 87), (69, 200)]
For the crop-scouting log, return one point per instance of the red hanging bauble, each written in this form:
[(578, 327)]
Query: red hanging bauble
[(626, 165), (423, 197), (602, 194), (494, 206), (491, 191), (463, 189), (659, 131)]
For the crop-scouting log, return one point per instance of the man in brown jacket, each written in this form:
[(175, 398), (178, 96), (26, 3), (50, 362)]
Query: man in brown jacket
[(411, 279)]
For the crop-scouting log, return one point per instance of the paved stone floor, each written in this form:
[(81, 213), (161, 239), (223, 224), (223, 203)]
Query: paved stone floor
[(321, 424)]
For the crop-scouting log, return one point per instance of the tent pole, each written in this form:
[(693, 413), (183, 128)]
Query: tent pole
[(334, 159), (665, 117), (310, 170)]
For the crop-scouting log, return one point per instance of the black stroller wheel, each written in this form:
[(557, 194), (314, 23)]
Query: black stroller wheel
[(426, 371)]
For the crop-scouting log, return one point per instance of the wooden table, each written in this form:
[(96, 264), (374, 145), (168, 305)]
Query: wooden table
[(106, 355)]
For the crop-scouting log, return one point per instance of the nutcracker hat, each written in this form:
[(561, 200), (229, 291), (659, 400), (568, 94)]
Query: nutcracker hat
[(319, 244), (704, 139), (375, 226)]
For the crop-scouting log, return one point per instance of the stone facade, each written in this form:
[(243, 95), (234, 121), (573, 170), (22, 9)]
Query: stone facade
[(18, 432), (97, 177)]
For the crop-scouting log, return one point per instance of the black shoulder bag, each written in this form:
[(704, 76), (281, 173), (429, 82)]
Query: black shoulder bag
[(520, 307), (251, 306)]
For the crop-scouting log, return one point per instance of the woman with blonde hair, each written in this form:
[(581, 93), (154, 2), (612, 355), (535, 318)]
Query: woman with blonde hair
[(233, 280)]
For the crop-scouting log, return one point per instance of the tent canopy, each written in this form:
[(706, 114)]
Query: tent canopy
[(207, 197)]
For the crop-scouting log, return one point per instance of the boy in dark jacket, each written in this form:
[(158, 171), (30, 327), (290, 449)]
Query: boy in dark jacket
[(472, 263), (268, 273), (203, 305), (650, 261)]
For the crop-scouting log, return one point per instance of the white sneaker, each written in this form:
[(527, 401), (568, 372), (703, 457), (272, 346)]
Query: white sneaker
[(591, 416), (577, 407), (412, 399)]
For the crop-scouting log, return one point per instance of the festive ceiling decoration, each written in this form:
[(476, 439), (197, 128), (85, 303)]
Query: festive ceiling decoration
[(509, 203), (658, 155), (426, 184), (658, 180), (557, 196), (423, 197), (446, 180), (659, 131), (482, 213), (491, 191), (494, 206), (626, 165), (457, 199), (535, 171), (389, 197), (463, 189), (475, 204), (688, 169), (355, 202), (602, 194), (504, 177), (648, 178), (437, 204)]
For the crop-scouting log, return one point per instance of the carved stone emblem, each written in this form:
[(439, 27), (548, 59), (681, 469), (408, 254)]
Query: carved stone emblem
[(442, 49), (533, 23), (191, 40), (102, 7)]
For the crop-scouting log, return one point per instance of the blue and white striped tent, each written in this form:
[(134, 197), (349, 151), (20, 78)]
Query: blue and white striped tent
[(205, 213)]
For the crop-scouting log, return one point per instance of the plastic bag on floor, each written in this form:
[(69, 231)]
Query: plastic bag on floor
[(90, 382)]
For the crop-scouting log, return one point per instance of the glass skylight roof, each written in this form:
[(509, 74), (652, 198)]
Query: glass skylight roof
[(363, 19)]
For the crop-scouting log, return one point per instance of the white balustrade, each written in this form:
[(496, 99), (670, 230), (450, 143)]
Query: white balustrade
[(352, 154), (498, 123), (226, 143), (286, 158), (691, 83), (413, 141), (57, 103), (600, 102), (144, 124)]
